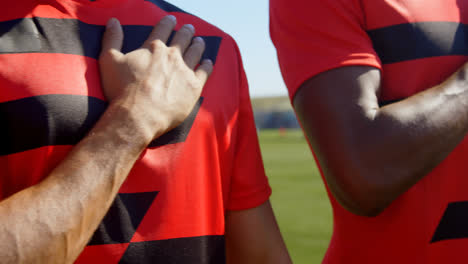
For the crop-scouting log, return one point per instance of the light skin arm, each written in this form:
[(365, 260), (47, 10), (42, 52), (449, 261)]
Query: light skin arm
[(372, 154), (52, 221), (253, 237)]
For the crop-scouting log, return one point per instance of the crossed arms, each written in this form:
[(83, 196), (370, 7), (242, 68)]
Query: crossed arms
[(371, 154)]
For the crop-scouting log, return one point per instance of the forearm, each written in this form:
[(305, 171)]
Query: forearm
[(371, 154), (53, 221), (417, 134), (405, 141), (253, 237)]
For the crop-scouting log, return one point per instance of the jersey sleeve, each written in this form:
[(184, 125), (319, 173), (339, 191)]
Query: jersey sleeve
[(249, 184), (313, 36)]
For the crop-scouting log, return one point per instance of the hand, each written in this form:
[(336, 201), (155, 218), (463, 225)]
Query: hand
[(156, 83)]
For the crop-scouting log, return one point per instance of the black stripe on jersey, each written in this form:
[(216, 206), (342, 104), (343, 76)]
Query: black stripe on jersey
[(71, 36), (123, 218), (48, 120), (412, 41), (190, 250), (453, 224), (166, 6)]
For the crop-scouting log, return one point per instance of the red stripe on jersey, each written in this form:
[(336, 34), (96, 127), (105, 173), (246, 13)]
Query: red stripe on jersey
[(401, 12), (401, 86), (93, 254), (54, 73), (22, 170), (133, 12)]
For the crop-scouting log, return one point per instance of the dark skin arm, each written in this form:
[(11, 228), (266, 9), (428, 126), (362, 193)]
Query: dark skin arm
[(253, 237), (370, 155), (52, 221)]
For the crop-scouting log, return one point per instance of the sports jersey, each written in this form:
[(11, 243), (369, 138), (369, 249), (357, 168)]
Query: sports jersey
[(171, 208), (416, 45)]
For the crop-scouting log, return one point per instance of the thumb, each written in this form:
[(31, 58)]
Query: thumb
[(113, 37)]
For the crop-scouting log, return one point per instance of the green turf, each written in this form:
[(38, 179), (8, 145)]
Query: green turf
[(299, 198)]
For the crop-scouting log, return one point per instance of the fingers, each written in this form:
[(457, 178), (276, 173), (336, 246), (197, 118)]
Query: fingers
[(204, 70), (192, 50), (113, 37), (194, 53), (162, 31), (183, 37)]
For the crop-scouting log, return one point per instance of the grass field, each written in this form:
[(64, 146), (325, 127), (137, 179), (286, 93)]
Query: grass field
[(299, 198)]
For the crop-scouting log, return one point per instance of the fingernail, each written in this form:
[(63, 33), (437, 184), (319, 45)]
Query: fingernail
[(208, 61), (198, 39), (173, 18), (113, 22), (190, 27)]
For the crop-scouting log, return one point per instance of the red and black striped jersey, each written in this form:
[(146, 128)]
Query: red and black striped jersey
[(171, 207), (416, 45)]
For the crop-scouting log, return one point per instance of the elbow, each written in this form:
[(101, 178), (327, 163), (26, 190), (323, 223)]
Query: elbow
[(362, 194), (368, 209)]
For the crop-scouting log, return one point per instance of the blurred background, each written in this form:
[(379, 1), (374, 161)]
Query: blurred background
[(299, 198)]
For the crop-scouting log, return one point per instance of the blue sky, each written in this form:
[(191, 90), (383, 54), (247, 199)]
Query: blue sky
[(247, 22)]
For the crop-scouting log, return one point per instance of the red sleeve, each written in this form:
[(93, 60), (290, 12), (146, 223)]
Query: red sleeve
[(249, 184), (313, 36)]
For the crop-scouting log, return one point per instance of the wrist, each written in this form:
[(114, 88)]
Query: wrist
[(128, 124)]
